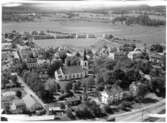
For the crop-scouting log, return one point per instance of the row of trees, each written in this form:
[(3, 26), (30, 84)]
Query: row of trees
[(156, 48), (17, 18), (141, 19)]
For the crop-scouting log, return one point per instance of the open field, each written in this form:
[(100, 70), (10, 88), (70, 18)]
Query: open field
[(146, 34), (66, 42)]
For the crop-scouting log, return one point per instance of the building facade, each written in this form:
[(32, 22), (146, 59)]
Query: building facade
[(73, 72)]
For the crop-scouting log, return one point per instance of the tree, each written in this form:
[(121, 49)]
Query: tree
[(20, 67), (158, 84), (70, 114), (99, 79), (90, 53), (78, 54), (94, 108), (107, 109), (156, 48), (7, 108), (110, 64), (14, 45), (14, 78), (34, 82), (133, 75), (123, 64), (63, 55), (68, 87), (108, 77), (19, 94), (51, 86), (4, 81), (142, 91), (53, 67), (125, 105), (49, 54), (90, 82), (119, 74), (47, 96), (83, 112), (78, 84), (34, 33), (143, 65), (74, 87)]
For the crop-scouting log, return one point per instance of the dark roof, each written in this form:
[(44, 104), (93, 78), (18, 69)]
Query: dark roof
[(72, 69), (156, 56), (31, 60)]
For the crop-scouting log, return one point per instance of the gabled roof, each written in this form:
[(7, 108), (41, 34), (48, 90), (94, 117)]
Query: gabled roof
[(72, 69), (18, 102)]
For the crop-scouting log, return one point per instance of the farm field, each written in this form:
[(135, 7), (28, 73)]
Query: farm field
[(146, 34)]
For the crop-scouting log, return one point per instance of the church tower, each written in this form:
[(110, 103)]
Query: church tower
[(84, 61)]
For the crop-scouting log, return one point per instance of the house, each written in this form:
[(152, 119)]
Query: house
[(42, 62), (117, 55), (31, 62), (73, 72), (8, 93), (137, 53), (55, 108), (24, 51), (43, 74), (157, 59), (127, 47), (134, 88), (15, 55), (7, 46), (114, 94), (73, 101), (18, 106)]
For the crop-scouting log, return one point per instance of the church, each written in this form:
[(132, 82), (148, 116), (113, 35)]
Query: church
[(66, 73)]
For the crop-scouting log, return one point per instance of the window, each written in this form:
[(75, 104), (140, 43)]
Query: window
[(85, 64)]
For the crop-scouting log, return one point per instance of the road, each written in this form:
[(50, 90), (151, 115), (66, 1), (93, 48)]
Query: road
[(30, 92), (139, 114)]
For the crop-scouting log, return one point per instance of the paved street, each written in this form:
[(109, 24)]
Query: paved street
[(140, 114)]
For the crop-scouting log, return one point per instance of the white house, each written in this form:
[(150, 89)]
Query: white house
[(135, 54), (111, 95)]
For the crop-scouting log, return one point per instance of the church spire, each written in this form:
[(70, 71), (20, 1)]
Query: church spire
[(85, 58)]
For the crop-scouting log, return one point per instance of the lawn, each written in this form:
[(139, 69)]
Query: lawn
[(66, 42)]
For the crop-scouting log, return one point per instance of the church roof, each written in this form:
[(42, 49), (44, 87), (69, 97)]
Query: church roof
[(72, 69)]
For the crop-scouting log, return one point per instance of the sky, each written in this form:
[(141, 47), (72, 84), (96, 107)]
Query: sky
[(81, 4)]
